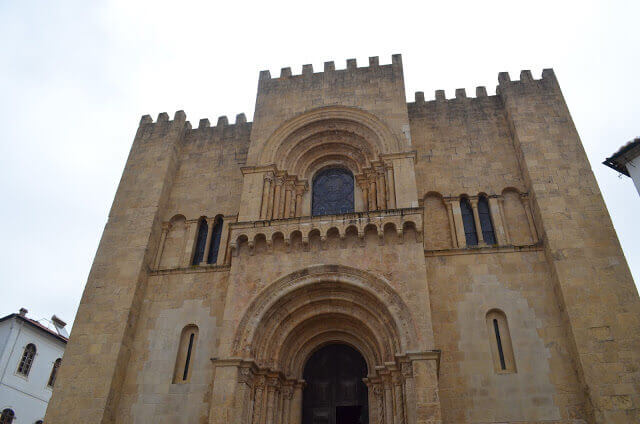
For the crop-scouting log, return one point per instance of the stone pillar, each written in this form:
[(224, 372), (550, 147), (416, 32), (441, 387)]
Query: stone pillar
[(271, 198), (163, 238), (364, 186), (398, 398), (409, 391), (373, 204), (207, 246), (244, 404), (391, 189), (300, 189), (296, 403), (457, 219), (424, 367), (496, 215), (382, 188), (259, 400), (388, 399), (476, 219), (224, 404), (189, 243), (532, 225), (405, 180), (224, 237), (452, 225), (276, 197), (266, 190), (507, 237), (272, 386), (287, 395), (288, 189)]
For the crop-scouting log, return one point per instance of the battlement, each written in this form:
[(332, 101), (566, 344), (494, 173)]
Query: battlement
[(330, 69), (180, 117), (504, 80)]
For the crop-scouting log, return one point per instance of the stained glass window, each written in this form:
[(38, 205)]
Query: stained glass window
[(201, 242), (488, 234), (215, 241), (470, 233), (332, 192)]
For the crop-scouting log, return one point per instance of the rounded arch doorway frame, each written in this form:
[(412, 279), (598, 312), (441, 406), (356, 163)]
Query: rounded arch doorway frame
[(298, 314)]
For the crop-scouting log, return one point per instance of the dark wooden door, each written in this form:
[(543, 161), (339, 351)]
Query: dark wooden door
[(335, 392)]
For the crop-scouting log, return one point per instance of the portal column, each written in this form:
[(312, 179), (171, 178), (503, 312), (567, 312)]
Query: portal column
[(296, 403), (388, 399), (266, 191)]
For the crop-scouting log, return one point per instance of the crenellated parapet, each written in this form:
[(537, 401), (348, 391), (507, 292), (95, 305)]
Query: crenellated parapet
[(309, 77)]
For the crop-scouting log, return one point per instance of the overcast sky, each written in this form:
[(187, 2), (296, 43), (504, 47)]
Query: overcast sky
[(75, 77)]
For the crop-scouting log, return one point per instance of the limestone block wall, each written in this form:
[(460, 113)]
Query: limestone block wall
[(378, 89), (593, 284), (173, 301), (91, 377), (464, 145), (209, 181), (464, 288)]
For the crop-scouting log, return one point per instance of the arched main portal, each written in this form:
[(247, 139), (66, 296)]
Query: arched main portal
[(335, 391)]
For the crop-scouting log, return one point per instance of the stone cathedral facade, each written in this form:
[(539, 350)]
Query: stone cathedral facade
[(349, 257)]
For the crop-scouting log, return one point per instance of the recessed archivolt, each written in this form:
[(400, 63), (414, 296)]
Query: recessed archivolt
[(319, 305), (351, 126)]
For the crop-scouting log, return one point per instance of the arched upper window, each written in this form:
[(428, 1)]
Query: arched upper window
[(27, 359), (500, 338), (54, 372), (214, 246), (470, 233), (332, 192), (186, 351), (488, 235), (201, 242), (7, 416)]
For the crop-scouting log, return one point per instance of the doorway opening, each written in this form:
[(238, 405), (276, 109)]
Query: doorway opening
[(335, 392)]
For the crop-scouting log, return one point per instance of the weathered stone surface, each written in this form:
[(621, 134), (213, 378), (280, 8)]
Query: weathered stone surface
[(397, 279)]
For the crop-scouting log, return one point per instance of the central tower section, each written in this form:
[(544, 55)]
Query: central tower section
[(328, 255), (353, 120)]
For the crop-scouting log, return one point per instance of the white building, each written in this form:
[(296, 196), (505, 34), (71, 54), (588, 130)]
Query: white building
[(627, 161), (30, 354)]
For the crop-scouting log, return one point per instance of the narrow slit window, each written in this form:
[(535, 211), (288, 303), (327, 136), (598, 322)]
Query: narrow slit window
[(500, 339), (216, 235), (54, 373), (186, 352), (496, 328), (26, 361), (186, 362), (201, 242), (468, 222), (484, 213)]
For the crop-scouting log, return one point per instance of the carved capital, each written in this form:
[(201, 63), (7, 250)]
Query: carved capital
[(245, 375), (407, 369)]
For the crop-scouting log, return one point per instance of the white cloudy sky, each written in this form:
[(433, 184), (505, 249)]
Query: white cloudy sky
[(75, 77)]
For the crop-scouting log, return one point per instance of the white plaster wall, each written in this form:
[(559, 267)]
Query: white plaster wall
[(27, 396), (634, 171)]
